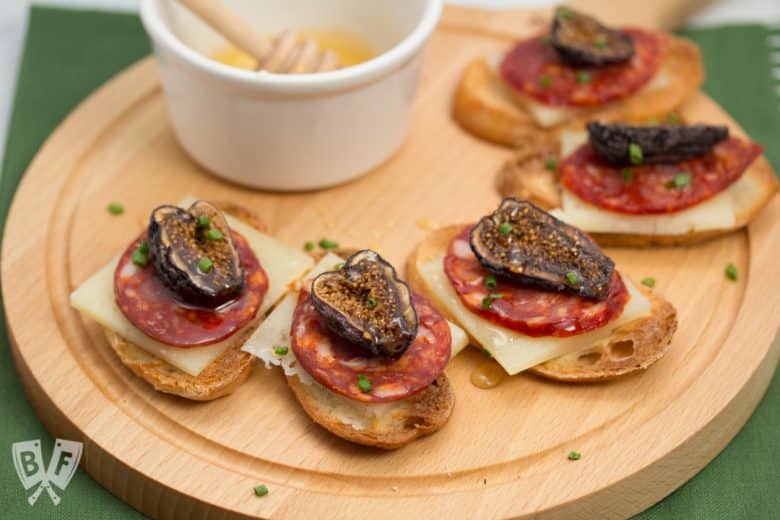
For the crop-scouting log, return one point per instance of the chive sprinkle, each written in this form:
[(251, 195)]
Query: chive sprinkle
[(308, 246), (505, 228), (572, 278), (635, 153), (551, 164), (486, 354), (583, 77), (680, 181), (328, 244), (627, 174), (204, 221), (140, 256), (115, 208), (261, 490), (281, 350), (371, 303), (649, 281), (364, 383), (731, 272), (574, 455), (487, 301), (564, 13), (673, 119), (545, 81), (338, 266), (214, 234), (490, 281), (205, 264), (601, 42)]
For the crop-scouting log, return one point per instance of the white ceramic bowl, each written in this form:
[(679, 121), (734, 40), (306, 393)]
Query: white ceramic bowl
[(292, 132)]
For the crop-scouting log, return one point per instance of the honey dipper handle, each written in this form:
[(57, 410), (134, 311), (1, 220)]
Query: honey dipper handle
[(230, 25)]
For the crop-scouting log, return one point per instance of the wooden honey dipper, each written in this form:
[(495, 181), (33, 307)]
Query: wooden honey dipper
[(285, 54)]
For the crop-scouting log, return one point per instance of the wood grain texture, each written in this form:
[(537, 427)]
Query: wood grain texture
[(504, 451)]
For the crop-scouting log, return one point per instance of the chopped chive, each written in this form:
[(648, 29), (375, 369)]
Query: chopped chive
[(214, 234), (308, 246), (338, 266), (680, 180), (551, 164), (328, 244), (281, 350), (545, 81), (583, 77), (652, 121), (627, 174), (564, 13), (649, 281), (143, 247), (635, 153), (371, 303), (204, 221), (574, 455), (364, 383), (116, 208), (490, 281), (140, 258), (505, 228), (205, 264), (731, 272), (261, 490), (673, 119), (486, 354), (601, 42), (487, 301), (572, 278)]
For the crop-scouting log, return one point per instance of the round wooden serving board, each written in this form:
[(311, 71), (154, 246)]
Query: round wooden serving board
[(502, 454)]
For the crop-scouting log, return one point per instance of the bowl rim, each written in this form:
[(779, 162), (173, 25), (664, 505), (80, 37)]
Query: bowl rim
[(331, 81)]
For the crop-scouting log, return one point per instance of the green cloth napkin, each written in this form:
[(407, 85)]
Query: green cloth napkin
[(70, 53)]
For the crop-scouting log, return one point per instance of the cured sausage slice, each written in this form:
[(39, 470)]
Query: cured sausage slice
[(527, 310), (156, 312), (656, 188), (340, 366), (534, 68)]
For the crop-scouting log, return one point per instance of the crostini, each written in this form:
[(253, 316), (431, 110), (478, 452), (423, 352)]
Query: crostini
[(645, 185), (540, 295), (362, 353), (579, 70), (182, 299)]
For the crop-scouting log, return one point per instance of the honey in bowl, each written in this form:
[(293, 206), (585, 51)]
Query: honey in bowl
[(350, 48)]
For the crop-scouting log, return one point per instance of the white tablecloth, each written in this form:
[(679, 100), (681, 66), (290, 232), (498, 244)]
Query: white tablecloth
[(13, 22)]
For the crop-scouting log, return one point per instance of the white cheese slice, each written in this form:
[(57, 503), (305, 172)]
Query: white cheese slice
[(548, 116), (570, 141), (95, 298), (275, 330), (516, 352), (715, 213)]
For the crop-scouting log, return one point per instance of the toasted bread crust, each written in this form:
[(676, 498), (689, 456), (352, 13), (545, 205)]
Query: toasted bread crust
[(221, 377), (632, 348), (486, 107), (419, 415), (524, 176)]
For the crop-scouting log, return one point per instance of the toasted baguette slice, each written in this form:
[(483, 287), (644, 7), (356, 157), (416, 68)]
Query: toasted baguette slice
[(631, 348), (220, 378), (385, 425), (490, 109), (524, 176)]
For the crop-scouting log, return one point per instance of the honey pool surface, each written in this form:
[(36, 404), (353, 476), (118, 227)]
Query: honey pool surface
[(351, 48)]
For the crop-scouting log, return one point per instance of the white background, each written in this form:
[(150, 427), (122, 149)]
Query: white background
[(13, 21)]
